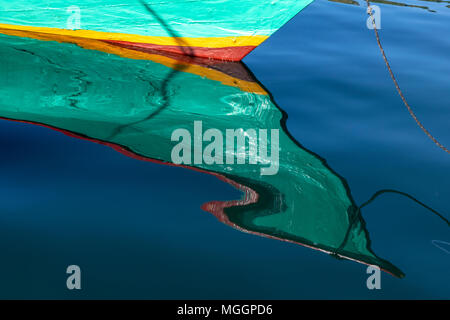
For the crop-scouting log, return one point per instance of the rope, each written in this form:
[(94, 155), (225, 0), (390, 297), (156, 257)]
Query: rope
[(411, 112), (357, 214), (378, 193)]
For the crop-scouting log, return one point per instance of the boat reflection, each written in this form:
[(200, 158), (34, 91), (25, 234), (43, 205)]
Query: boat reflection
[(134, 100)]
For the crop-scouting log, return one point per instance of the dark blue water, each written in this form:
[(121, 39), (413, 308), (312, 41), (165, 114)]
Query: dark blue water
[(136, 228)]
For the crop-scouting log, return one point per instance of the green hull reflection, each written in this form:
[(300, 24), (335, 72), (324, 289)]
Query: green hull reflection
[(134, 105)]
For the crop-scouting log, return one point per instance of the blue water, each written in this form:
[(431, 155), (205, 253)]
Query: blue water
[(136, 228)]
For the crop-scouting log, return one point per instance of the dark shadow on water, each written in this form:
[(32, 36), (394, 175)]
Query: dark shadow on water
[(187, 50)]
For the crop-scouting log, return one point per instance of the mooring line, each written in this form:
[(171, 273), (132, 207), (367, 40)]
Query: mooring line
[(357, 214), (380, 192), (411, 112)]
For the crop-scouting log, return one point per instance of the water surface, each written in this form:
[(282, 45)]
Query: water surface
[(136, 227)]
